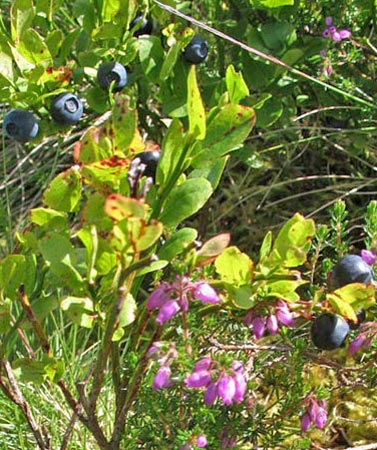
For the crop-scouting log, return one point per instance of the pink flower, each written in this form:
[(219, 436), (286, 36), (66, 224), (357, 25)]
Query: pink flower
[(203, 364), (170, 298), (240, 387), (258, 326), (368, 256), (205, 293), (306, 421), (201, 441), (198, 379), (226, 389), (284, 314), (210, 394), (332, 32), (357, 344), (272, 324), (167, 311), (162, 378)]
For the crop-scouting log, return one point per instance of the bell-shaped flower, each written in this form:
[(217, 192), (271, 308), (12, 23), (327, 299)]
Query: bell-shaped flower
[(158, 297), (240, 387), (283, 314), (258, 326), (205, 293), (226, 389), (198, 379), (272, 324), (167, 311), (210, 394), (306, 421), (162, 378)]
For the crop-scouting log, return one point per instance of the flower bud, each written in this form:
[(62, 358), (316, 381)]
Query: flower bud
[(201, 441), (226, 389), (258, 326), (198, 379), (205, 293), (162, 378), (272, 324)]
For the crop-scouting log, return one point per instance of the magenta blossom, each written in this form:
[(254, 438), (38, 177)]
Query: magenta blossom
[(201, 441), (164, 355), (162, 378), (278, 315), (170, 298), (368, 256), (315, 413), (333, 33), (227, 385), (367, 334)]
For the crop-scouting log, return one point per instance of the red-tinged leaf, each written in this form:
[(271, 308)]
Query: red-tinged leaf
[(119, 207), (212, 248)]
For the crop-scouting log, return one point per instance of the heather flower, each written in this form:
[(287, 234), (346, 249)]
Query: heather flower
[(162, 378), (272, 324), (227, 385), (169, 299), (368, 332), (258, 326), (284, 314), (332, 32), (315, 413), (198, 379), (368, 256), (226, 389), (201, 441), (167, 311)]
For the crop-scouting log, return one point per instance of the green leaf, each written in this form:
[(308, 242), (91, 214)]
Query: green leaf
[(278, 35), (79, 310), (236, 85), (272, 3), (153, 267), (64, 192), (234, 267), (17, 270), (106, 175), (22, 15), (5, 315), (271, 110), (211, 171), (195, 108), (29, 370), (242, 297), (284, 289), (151, 55), (349, 299), (97, 99), (293, 241), (33, 48), (177, 243), (266, 246), (171, 151), (48, 218), (185, 200), (170, 60), (58, 251), (110, 9), (127, 316), (226, 132), (124, 123)]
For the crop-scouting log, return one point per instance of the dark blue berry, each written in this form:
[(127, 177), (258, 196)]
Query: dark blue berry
[(196, 51), (66, 109), (20, 125), (351, 269), (329, 331), (112, 72), (144, 25), (150, 159)]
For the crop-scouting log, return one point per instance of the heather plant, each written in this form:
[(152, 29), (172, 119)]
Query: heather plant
[(122, 326)]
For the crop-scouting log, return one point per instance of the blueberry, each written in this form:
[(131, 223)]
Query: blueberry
[(150, 159), (145, 27), (196, 51), (66, 109), (20, 125), (109, 72), (351, 269), (329, 331)]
